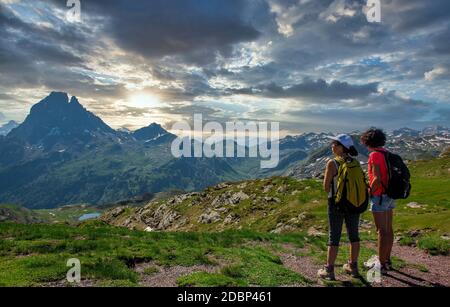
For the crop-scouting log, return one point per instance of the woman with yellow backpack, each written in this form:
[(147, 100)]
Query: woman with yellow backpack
[(346, 186)]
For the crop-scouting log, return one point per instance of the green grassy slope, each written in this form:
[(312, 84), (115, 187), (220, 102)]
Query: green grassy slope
[(430, 189), (293, 205), (13, 213), (241, 253), (32, 255)]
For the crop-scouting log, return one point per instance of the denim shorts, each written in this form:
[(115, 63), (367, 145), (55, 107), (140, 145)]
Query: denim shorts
[(387, 203)]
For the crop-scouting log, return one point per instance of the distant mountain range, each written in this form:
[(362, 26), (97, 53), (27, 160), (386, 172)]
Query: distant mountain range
[(409, 143), (63, 154), (6, 128)]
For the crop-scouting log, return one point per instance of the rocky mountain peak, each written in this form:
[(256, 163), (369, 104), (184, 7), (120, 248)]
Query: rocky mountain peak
[(150, 132), (55, 119)]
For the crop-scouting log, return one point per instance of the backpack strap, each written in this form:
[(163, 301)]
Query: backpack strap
[(333, 182), (337, 166)]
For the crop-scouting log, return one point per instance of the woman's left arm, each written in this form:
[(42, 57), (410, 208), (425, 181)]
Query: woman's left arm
[(329, 174)]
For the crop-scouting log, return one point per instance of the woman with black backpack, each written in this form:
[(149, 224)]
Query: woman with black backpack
[(381, 204), (345, 184)]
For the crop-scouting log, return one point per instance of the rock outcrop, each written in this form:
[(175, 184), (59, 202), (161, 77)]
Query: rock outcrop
[(266, 203)]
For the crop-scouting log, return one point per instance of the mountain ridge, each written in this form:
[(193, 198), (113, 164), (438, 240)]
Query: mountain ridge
[(64, 154), (6, 128)]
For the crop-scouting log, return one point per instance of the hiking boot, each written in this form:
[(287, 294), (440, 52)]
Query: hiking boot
[(388, 265), (327, 272), (384, 269), (351, 268)]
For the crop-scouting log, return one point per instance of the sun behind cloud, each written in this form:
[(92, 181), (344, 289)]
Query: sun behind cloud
[(143, 100)]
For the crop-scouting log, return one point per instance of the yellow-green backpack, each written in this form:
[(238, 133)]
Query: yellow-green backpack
[(351, 186)]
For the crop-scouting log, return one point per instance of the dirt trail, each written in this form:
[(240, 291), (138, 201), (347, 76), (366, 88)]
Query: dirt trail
[(303, 265), (421, 269), (437, 269), (167, 276)]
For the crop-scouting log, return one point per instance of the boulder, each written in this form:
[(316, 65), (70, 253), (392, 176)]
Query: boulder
[(221, 186), (230, 219), (222, 200), (282, 189), (178, 199), (272, 199), (167, 219), (414, 205), (209, 217), (117, 211), (280, 228), (314, 232), (414, 233), (238, 197), (267, 188), (242, 185)]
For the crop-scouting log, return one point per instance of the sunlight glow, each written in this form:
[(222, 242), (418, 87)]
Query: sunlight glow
[(143, 100)]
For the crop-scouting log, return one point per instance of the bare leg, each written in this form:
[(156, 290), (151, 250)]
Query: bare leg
[(332, 254), (390, 232), (383, 241)]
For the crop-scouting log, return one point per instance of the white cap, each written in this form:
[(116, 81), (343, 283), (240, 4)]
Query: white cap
[(344, 139)]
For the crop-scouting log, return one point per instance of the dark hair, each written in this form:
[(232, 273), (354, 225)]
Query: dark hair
[(373, 138), (349, 151)]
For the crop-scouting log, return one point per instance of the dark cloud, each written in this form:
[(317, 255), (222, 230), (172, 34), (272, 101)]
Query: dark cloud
[(252, 75), (32, 56), (48, 53), (316, 38), (314, 89), (194, 29), (443, 116), (42, 39), (441, 42), (192, 87), (384, 109), (410, 15), (5, 97)]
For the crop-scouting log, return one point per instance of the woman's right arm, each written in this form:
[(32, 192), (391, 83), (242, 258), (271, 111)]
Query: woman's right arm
[(330, 172)]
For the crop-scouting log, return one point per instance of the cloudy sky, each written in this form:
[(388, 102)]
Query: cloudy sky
[(312, 65)]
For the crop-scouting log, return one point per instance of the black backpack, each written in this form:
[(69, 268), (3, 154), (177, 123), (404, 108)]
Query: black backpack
[(399, 185)]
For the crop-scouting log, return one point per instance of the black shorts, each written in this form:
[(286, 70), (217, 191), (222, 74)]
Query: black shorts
[(335, 221)]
